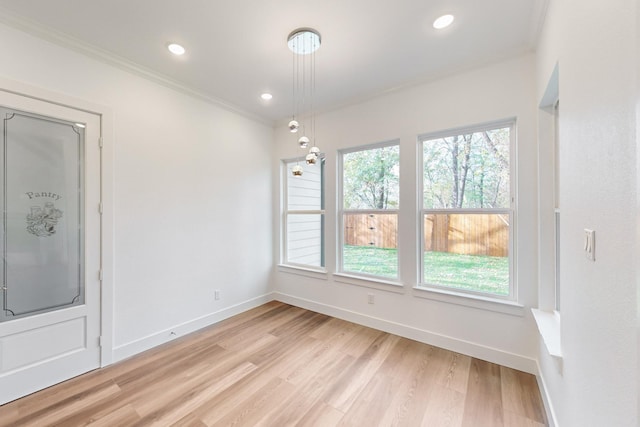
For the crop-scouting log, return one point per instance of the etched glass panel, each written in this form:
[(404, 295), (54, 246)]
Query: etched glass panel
[(42, 223)]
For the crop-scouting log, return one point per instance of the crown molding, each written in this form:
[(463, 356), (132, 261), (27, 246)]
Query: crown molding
[(65, 40), (539, 16)]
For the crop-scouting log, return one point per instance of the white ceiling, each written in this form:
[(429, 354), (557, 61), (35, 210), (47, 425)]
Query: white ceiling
[(236, 49)]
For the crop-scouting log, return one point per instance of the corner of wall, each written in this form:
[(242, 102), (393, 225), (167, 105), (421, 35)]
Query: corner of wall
[(138, 346)]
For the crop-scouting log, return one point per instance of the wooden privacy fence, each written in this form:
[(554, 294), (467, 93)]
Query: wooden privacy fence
[(377, 230), (467, 234)]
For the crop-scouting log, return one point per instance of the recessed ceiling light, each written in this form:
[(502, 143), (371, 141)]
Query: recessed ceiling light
[(266, 96), (443, 22), (176, 49)]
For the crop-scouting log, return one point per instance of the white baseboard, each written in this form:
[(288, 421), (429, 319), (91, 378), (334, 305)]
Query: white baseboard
[(478, 351), (546, 399), (138, 346)]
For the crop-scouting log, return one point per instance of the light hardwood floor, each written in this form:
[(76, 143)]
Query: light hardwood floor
[(279, 365)]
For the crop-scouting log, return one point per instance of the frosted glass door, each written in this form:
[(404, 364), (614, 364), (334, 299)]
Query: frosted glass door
[(42, 225)]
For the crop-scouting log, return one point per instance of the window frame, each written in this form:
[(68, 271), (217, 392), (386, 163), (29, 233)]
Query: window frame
[(556, 204), (341, 211), (510, 123), (284, 235)]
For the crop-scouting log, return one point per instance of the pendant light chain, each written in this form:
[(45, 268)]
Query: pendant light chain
[(304, 42)]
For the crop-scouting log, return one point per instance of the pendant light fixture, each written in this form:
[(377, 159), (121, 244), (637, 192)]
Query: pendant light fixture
[(304, 42)]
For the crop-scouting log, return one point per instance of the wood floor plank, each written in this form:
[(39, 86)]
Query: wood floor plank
[(258, 405), (9, 414), (444, 387), (519, 395), (125, 415), (240, 337), (320, 414), (408, 371), (279, 365), (362, 341), (450, 370), (515, 420), (371, 403), (315, 364), (443, 408), (238, 393), (185, 399), (336, 330), (346, 389), (483, 404), (58, 414)]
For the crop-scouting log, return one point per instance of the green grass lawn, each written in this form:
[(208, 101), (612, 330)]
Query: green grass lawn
[(469, 272), (370, 260)]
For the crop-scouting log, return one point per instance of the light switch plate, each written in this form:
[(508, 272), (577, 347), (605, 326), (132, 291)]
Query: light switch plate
[(590, 244)]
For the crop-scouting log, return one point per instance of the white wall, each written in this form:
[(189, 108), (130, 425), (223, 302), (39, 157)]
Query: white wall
[(192, 194), (491, 93), (595, 46)]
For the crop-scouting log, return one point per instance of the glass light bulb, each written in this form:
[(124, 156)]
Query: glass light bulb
[(303, 141), (293, 126), (296, 170), (314, 150), (311, 159)]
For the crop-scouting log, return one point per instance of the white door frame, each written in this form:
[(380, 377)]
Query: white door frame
[(106, 196)]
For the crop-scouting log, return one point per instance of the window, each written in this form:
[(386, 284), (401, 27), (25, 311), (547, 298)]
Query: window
[(369, 210), (467, 210), (303, 219)]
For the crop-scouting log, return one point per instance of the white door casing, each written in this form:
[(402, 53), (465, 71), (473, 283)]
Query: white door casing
[(45, 348)]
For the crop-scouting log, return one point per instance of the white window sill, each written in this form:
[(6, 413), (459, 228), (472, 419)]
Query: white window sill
[(370, 282), (469, 300), (304, 271), (549, 326)]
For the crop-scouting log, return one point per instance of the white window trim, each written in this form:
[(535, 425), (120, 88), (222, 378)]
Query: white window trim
[(548, 323), (350, 277), (556, 202), (482, 302), (304, 270), (512, 297), (547, 316), (369, 281)]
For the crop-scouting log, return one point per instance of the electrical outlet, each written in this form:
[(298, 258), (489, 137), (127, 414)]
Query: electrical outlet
[(370, 298), (216, 294)]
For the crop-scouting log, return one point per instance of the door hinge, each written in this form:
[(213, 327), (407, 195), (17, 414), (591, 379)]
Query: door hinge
[(100, 275), (100, 208), (100, 142)]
